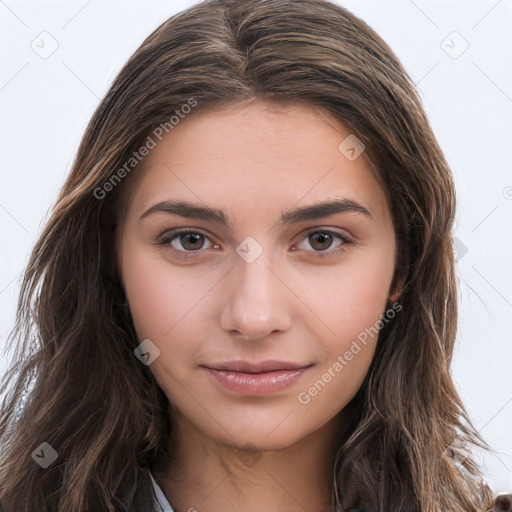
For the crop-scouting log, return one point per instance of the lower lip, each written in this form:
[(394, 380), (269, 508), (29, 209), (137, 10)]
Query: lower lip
[(257, 383)]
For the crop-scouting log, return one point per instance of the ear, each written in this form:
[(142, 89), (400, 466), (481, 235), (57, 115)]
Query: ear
[(396, 288), (402, 262)]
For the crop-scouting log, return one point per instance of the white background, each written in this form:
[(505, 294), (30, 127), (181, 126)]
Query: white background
[(46, 103)]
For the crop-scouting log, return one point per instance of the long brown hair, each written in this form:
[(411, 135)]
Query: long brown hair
[(75, 383)]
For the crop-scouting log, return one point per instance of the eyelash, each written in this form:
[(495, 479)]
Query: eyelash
[(167, 237)]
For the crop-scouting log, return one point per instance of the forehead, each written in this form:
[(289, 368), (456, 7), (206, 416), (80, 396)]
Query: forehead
[(256, 154)]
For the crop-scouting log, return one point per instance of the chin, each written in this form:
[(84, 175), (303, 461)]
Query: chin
[(278, 433)]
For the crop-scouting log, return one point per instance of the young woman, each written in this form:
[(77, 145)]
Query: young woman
[(245, 296)]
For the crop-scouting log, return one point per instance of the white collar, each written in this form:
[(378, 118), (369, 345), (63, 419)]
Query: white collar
[(160, 496)]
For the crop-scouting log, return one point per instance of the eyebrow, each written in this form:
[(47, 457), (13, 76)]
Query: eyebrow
[(311, 212)]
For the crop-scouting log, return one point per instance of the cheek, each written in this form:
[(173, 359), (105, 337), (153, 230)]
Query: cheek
[(353, 295), (158, 297), (151, 301), (351, 307), (162, 302)]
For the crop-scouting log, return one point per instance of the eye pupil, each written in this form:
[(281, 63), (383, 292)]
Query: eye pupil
[(195, 237), (322, 238)]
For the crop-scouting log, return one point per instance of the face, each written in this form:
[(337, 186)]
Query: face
[(261, 306)]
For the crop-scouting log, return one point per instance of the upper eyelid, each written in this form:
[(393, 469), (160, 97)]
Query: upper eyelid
[(174, 232)]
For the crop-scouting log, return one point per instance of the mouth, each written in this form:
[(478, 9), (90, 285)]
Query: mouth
[(258, 367), (262, 378)]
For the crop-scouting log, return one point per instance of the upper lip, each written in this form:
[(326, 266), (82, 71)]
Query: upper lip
[(253, 367)]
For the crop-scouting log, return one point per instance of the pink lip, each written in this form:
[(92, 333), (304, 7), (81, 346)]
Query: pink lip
[(257, 383), (259, 367)]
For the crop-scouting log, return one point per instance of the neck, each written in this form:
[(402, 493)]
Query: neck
[(205, 475)]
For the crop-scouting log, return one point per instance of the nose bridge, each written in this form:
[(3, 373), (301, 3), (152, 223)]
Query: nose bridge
[(256, 304), (254, 280)]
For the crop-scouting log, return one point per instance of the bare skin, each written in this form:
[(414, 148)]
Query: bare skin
[(232, 450)]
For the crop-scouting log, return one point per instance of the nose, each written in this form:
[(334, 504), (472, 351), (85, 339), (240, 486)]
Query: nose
[(257, 301)]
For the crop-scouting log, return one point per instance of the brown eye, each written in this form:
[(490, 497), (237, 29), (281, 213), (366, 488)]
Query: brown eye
[(322, 240), (191, 241), (184, 240)]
